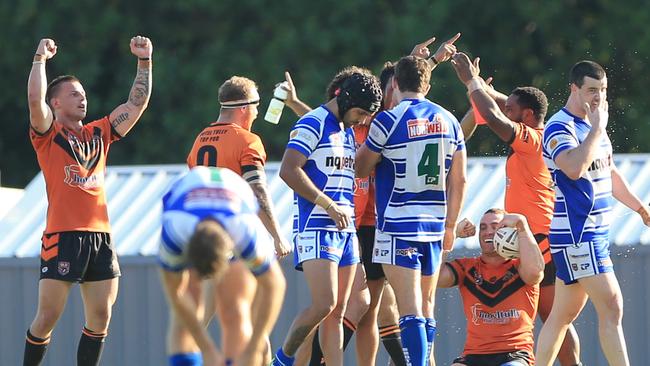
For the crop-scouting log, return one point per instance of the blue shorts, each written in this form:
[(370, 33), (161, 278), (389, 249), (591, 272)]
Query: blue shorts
[(336, 246), (422, 256), (186, 359), (585, 259)]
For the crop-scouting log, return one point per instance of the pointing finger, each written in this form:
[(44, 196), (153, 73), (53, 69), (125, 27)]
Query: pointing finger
[(428, 42), (453, 39), (287, 76)]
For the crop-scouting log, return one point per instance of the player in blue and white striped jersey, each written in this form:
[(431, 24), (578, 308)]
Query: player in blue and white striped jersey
[(209, 215), (419, 152), (578, 154), (318, 165)]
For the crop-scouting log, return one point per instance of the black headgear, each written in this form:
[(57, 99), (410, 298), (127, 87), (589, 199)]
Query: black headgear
[(359, 91)]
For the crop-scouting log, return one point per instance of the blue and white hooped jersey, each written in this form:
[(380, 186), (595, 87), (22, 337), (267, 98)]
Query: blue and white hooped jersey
[(417, 140), (220, 194), (582, 207), (330, 166)]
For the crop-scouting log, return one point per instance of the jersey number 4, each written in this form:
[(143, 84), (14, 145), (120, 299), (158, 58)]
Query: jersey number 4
[(428, 165)]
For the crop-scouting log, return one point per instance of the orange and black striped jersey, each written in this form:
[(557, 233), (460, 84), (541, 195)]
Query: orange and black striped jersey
[(364, 188), (529, 189), (73, 164), (227, 145), (500, 307)]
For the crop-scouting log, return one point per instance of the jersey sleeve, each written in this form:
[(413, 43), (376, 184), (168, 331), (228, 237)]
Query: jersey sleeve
[(526, 140), (305, 135), (253, 244), (41, 140), (253, 152), (109, 134), (177, 228), (457, 267), (557, 138), (379, 131), (459, 138)]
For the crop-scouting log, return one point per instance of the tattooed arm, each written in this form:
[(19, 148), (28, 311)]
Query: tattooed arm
[(124, 117), (256, 178)]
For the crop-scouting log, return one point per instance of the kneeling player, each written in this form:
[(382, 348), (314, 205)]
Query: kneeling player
[(499, 295), (209, 215)]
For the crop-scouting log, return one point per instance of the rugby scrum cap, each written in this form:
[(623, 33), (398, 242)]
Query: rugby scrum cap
[(359, 91)]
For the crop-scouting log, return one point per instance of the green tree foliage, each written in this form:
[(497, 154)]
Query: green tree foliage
[(200, 43)]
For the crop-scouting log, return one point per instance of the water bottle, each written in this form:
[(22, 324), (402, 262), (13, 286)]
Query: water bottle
[(276, 105)]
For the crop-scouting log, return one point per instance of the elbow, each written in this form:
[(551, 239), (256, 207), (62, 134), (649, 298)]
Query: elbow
[(533, 276), (359, 172), (573, 174)]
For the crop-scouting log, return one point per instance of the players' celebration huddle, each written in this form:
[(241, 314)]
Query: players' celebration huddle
[(379, 178)]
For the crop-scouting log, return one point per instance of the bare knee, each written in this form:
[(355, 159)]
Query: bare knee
[(611, 312), (98, 317), (45, 320), (322, 308)]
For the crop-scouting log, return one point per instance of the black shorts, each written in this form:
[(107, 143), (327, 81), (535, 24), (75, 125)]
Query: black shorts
[(366, 236), (549, 267), (496, 359), (78, 256)]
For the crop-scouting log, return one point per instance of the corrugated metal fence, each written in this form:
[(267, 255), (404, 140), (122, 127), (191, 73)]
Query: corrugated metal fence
[(137, 330)]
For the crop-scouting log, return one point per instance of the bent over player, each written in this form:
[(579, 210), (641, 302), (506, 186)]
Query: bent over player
[(207, 214), (76, 244)]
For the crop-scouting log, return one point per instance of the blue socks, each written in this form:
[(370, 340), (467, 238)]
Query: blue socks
[(414, 340), (430, 329), (186, 359), (281, 359)]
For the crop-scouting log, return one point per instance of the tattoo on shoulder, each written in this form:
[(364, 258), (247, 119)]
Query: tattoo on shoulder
[(120, 119), (141, 88)]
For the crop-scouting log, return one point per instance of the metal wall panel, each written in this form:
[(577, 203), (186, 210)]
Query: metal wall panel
[(137, 330)]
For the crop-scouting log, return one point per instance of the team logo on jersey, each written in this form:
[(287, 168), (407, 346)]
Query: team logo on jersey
[(339, 162), (423, 127), (85, 151), (553, 143), (64, 268), (479, 316), (75, 177)]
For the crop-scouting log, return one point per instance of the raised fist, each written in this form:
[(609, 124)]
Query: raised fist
[(46, 47), (141, 47)]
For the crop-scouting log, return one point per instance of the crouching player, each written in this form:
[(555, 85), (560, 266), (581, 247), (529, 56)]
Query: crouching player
[(210, 215), (499, 295)]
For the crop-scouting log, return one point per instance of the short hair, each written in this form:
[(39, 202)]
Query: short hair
[(387, 72), (236, 88), (208, 248), (54, 86), (496, 211), (586, 68), (532, 98), (339, 78), (412, 74)]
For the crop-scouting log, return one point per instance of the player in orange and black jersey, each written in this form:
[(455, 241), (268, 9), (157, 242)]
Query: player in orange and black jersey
[(229, 143), (518, 120), (499, 295), (77, 243)]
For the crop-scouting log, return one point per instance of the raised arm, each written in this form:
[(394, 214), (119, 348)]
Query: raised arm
[(297, 106), (468, 124), (444, 52), (485, 103), (296, 178), (575, 162), (124, 117), (40, 114), (531, 265)]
